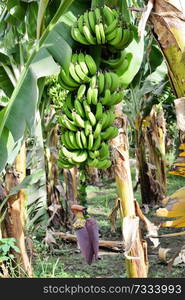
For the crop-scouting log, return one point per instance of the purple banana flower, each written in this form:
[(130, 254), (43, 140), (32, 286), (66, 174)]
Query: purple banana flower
[(87, 237)]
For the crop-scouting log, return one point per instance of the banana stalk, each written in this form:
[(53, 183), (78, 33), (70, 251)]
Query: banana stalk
[(136, 259)]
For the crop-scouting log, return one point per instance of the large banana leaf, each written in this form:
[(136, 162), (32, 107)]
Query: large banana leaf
[(52, 51)]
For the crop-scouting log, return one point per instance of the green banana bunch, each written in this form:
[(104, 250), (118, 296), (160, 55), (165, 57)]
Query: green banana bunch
[(89, 28), (81, 68), (88, 111), (101, 26)]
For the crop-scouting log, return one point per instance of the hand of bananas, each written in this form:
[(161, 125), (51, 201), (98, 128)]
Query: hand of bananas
[(86, 120), (88, 111), (102, 26)]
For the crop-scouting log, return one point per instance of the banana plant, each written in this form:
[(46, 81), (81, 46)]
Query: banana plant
[(44, 59)]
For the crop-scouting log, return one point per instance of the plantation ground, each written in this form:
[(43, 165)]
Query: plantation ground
[(64, 261)]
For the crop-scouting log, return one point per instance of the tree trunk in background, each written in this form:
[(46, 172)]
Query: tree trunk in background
[(15, 217), (136, 268), (56, 211), (147, 194), (155, 140), (150, 152), (70, 179)]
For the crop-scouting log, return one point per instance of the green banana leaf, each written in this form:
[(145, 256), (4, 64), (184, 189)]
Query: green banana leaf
[(136, 48), (52, 51)]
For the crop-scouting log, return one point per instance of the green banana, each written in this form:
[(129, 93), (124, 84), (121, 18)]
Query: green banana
[(114, 82), (104, 151), (79, 108), (106, 98), (119, 35), (103, 164), (111, 36), (91, 64), (80, 22), (88, 128), (90, 141), (116, 98), (74, 58), (73, 73), (98, 129), (97, 143), (108, 15), (79, 122), (89, 37), (86, 107), (98, 16), (78, 156), (124, 66), (66, 111), (82, 63), (65, 86), (81, 91), (83, 139), (94, 97), (106, 121), (112, 26), (99, 111), (109, 133), (108, 80), (68, 124), (69, 102), (98, 34), (101, 83), (102, 33), (92, 21), (68, 80), (68, 143), (64, 164), (83, 77), (112, 117), (64, 141), (72, 138), (92, 162), (127, 39), (93, 82), (89, 95), (91, 118), (77, 36), (78, 140)]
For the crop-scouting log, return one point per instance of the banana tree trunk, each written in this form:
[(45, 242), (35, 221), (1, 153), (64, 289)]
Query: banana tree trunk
[(56, 211), (136, 261), (148, 197), (70, 179), (151, 156), (15, 217), (168, 19)]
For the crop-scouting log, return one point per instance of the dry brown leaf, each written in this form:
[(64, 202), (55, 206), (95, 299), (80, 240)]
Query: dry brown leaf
[(152, 229), (130, 227)]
